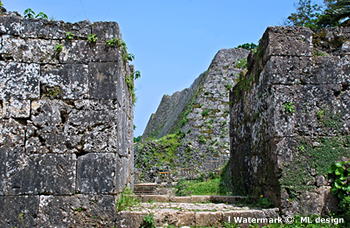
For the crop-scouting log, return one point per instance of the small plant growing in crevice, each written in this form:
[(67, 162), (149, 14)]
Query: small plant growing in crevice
[(319, 53), (69, 35), (59, 48), (242, 64), (113, 42), (29, 13), (126, 200), (228, 86), (92, 38), (205, 112), (128, 56), (289, 107), (202, 139), (130, 83), (148, 222)]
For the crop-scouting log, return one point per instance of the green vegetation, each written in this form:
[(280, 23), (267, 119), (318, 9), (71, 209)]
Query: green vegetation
[(339, 173), (242, 83), (247, 46), (289, 107), (92, 38), (330, 13), (59, 48), (126, 200), (216, 184), (69, 35), (242, 63), (344, 206), (29, 13), (319, 53), (148, 221), (228, 86), (160, 153), (130, 83), (202, 139), (52, 92), (1, 4), (320, 157), (205, 112), (113, 42)]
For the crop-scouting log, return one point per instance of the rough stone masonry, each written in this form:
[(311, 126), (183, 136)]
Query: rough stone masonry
[(66, 123), (290, 118)]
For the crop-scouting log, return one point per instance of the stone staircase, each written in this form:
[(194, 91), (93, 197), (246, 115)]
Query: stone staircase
[(196, 211)]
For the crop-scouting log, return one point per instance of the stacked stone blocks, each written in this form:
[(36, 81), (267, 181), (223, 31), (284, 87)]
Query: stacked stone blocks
[(66, 123), (290, 102)]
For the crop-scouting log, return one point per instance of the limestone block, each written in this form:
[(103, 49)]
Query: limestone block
[(175, 218), (345, 67), (127, 219), (157, 198), (48, 118), (19, 80), (66, 81), (324, 70), (47, 29), (12, 160), (16, 108), (76, 211), (12, 24), (105, 81), (75, 127), (307, 101), (96, 173), (181, 199), (320, 202), (29, 50), (18, 211), (287, 41), (48, 173), (122, 172), (200, 199), (208, 219), (285, 69), (106, 30), (81, 51), (12, 133), (93, 126)]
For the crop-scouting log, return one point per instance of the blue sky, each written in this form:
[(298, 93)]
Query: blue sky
[(173, 40)]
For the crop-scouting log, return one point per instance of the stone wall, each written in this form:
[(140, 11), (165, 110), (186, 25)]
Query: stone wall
[(290, 118), (200, 117), (66, 120)]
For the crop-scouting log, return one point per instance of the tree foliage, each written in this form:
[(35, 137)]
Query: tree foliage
[(337, 13), (306, 15), (329, 13)]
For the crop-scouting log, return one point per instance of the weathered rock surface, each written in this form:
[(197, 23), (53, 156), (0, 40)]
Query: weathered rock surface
[(66, 124), (290, 118), (201, 115), (193, 215)]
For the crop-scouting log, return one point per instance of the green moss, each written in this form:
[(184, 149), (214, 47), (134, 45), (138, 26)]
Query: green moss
[(306, 156), (52, 92)]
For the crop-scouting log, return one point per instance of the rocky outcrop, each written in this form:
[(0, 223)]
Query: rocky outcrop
[(199, 116), (66, 120), (290, 118)]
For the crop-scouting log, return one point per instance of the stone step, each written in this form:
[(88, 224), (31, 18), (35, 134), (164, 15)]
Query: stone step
[(196, 215), (196, 199)]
